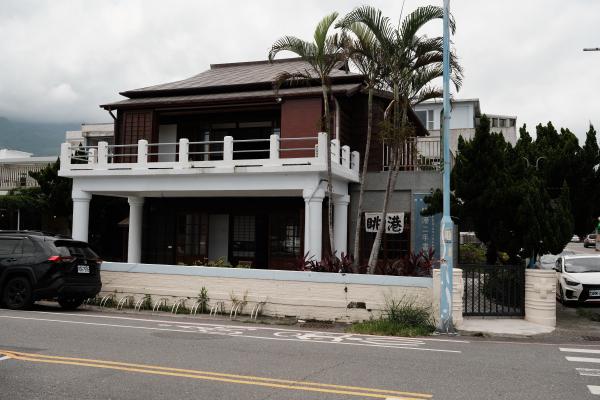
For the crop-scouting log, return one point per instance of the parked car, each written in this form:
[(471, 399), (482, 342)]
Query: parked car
[(548, 261), (578, 278), (575, 239), (590, 240), (36, 266)]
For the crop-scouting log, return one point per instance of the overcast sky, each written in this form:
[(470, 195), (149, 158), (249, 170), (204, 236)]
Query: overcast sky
[(61, 59)]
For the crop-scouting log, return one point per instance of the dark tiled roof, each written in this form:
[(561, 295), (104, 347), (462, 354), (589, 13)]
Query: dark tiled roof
[(347, 88), (238, 74)]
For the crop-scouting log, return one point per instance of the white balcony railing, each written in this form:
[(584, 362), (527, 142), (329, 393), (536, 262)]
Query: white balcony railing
[(416, 154), (227, 153)]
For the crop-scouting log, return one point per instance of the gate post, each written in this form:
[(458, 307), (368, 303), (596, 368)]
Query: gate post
[(540, 296), (457, 295)]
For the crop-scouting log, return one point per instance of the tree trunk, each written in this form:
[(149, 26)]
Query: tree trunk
[(399, 123), (363, 176), (329, 175)]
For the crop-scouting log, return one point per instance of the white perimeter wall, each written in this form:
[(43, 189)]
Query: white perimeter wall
[(303, 295)]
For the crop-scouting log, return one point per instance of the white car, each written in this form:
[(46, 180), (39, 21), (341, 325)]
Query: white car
[(578, 278)]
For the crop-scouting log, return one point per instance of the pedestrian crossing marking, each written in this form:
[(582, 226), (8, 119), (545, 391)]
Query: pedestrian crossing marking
[(594, 389), (572, 350), (588, 371), (583, 359)]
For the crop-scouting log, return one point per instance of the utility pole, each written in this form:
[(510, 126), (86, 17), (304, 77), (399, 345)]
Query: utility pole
[(446, 325)]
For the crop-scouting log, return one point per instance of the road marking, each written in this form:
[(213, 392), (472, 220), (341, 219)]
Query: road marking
[(588, 371), (248, 327), (4, 358), (583, 359), (368, 342), (594, 389), (221, 377), (572, 350)]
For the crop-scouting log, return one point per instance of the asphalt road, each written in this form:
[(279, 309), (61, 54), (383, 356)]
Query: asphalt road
[(49, 354)]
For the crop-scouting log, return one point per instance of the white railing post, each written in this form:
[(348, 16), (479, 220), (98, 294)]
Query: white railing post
[(102, 153), (65, 156), (184, 153), (335, 151), (355, 164), (228, 148), (346, 156), (92, 156), (322, 147), (274, 147), (142, 154)]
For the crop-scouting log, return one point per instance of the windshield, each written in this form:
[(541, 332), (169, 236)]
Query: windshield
[(578, 265)]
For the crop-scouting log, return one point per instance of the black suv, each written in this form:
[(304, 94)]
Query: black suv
[(37, 265)]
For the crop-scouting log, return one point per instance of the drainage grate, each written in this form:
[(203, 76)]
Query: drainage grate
[(591, 338)]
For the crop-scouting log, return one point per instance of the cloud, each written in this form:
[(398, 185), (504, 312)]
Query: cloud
[(520, 58)]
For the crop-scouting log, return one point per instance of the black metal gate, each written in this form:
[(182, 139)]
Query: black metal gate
[(494, 290)]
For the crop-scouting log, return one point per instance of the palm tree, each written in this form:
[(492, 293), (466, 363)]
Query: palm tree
[(364, 52), (322, 55), (410, 62)]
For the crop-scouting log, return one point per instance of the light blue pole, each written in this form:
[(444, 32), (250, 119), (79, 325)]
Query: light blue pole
[(447, 226)]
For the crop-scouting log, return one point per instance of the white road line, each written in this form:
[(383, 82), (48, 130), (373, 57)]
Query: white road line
[(399, 346), (4, 358), (588, 371), (247, 327), (594, 389), (583, 359), (573, 350)]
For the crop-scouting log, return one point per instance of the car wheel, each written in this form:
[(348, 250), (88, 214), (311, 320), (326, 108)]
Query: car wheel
[(17, 294), (70, 303)]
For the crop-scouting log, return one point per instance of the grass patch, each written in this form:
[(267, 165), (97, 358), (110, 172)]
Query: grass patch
[(399, 318), (589, 314)]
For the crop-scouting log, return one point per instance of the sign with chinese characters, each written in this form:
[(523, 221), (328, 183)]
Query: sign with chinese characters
[(394, 222), (426, 229)]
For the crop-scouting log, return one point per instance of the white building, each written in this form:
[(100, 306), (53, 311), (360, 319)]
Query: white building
[(91, 134), (465, 118), (15, 166)]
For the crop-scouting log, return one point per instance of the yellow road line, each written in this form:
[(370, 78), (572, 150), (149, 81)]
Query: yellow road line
[(214, 376)]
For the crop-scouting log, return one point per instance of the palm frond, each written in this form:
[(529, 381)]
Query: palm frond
[(418, 18), (373, 19), (320, 35), (428, 92), (300, 47), (293, 78)]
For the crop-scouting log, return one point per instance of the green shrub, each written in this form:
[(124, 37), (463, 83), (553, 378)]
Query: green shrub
[(471, 253), (400, 318)]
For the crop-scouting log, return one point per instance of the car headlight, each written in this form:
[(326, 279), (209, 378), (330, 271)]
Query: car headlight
[(571, 283)]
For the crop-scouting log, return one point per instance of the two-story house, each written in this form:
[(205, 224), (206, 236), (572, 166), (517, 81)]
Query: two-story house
[(221, 165), (465, 118)]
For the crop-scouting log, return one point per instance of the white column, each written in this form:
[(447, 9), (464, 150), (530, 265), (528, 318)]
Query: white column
[(313, 223), (134, 244), (81, 215), (228, 148), (274, 147), (340, 224)]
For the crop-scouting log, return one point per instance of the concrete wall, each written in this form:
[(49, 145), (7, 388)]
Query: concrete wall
[(305, 295)]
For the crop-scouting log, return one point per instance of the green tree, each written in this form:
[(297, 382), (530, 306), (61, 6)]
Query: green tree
[(55, 191), (323, 54), (410, 62)]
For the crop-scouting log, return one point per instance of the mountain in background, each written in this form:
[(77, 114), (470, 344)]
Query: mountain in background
[(39, 138)]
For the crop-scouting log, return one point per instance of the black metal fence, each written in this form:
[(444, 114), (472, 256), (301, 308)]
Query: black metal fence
[(494, 290)]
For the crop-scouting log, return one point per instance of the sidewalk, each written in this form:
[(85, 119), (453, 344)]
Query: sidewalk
[(502, 327)]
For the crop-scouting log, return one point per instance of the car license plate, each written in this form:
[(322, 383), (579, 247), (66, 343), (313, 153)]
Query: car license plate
[(83, 269), (595, 293)]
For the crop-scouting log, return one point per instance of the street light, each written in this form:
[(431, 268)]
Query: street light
[(447, 226)]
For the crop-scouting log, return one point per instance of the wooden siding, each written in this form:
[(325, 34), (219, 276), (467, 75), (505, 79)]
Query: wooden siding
[(300, 118), (134, 126)]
